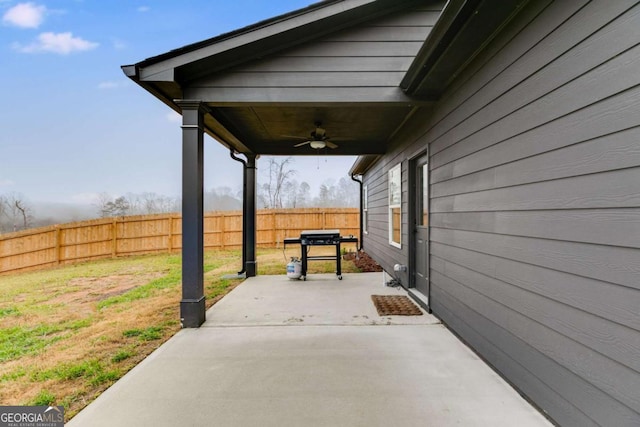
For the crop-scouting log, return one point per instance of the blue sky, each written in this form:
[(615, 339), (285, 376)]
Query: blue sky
[(72, 125)]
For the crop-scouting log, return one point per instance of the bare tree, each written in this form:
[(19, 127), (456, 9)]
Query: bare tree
[(3, 213), (304, 195), (291, 194), (15, 212), (23, 212), (325, 195), (345, 193), (278, 174), (348, 193), (296, 195), (145, 203), (151, 203), (169, 204), (137, 204)]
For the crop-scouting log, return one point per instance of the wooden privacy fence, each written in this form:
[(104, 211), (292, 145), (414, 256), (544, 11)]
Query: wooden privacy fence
[(133, 235)]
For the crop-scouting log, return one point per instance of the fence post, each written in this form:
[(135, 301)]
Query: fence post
[(324, 220), (58, 245), (114, 237), (273, 227), (170, 236), (235, 242), (222, 230)]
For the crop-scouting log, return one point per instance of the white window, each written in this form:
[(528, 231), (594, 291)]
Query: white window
[(365, 210), (395, 206)]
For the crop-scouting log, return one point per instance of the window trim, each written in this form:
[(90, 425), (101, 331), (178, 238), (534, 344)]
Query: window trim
[(397, 168)]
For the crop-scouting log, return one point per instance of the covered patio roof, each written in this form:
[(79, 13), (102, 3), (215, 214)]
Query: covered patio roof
[(266, 85)]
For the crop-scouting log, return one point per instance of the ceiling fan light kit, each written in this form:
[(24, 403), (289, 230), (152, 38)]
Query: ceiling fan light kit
[(317, 144), (319, 139)]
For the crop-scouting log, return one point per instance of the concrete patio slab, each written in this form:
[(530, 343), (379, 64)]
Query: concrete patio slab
[(320, 300), (331, 369)]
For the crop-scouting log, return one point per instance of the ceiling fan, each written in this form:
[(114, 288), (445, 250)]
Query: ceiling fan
[(319, 139)]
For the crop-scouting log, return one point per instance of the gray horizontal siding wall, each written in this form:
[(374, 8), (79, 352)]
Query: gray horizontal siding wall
[(367, 61), (376, 241), (407, 144), (535, 208)]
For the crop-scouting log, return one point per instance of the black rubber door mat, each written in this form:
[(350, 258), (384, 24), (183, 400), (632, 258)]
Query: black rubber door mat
[(395, 305)]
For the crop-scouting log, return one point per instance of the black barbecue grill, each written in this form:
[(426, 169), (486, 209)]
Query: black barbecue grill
[(320, 238)]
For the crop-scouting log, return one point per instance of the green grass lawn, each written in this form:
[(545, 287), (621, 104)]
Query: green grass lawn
[(70, 332)]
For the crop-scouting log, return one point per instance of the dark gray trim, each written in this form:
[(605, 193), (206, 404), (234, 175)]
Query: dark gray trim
[(192, 312), (420, 299), (359, 181), (453, 16), (192, 306), (244, 210), (362, 164), (462, 31), (304, 97), (413, 199), (249, 201)]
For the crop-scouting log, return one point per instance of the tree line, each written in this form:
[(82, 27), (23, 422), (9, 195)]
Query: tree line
[(277, 188)]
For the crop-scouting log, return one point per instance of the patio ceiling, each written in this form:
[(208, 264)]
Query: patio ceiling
[(271, 120), (275, 130)]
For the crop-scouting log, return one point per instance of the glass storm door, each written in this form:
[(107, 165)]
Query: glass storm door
[(421, 225)]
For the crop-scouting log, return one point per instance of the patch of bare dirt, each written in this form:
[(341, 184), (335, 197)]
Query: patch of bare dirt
[(89, 289), (363, 261)]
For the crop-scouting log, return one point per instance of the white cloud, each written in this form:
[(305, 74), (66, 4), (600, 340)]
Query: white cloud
[(173, 117), (144, 9), (6, 183), (62, 43), (25, 15)]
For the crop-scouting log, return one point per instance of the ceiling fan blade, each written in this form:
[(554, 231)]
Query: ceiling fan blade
[(330, 144), (302, 143), (295, 137)]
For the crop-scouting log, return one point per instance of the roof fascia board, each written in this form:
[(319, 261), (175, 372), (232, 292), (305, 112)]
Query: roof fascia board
[(465, 29), (453, 16), (363, 163), (229, 97), (130, 71), (482, 26)]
